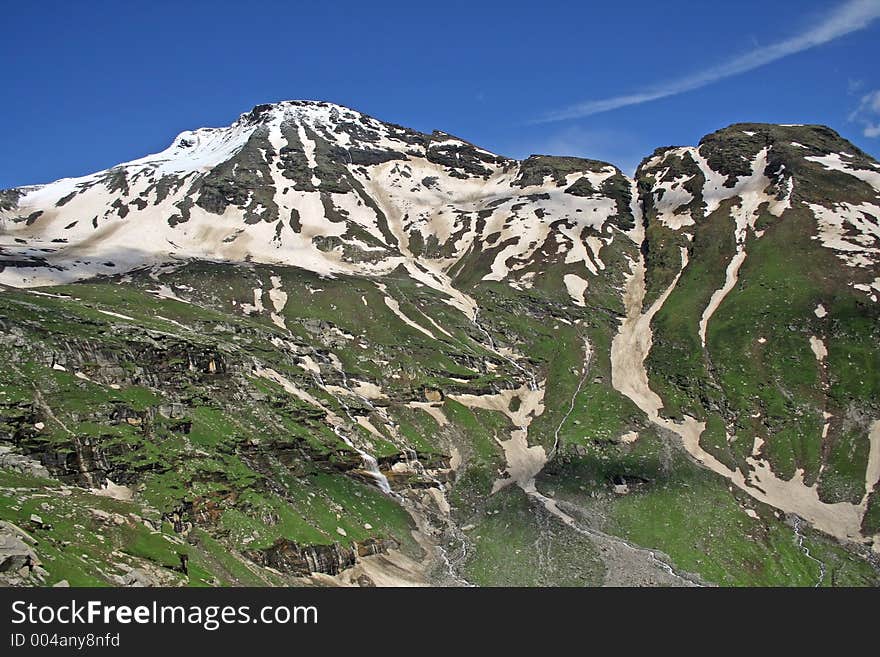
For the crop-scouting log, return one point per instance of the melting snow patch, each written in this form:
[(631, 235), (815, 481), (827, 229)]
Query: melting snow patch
[(367, 390), (435, 410), (165, 292), (576, 287), (718, 295), (669, 198), (818, 347), (751, 190), (870, 288), (851, 229), (395, 308), (257, 306), (117, 315), (278, 297), (834, 162), (54, 296)]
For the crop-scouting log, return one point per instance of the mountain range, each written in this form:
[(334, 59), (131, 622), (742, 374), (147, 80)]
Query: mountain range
[(315, 348)]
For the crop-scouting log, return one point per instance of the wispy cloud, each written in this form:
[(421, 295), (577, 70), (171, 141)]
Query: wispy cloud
[(868, 114), (848, 17), (854, 86)]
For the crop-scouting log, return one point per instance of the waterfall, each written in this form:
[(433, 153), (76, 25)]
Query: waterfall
[(371, 465)]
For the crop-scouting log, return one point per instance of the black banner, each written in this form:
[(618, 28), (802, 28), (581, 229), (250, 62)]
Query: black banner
[(107, 621)]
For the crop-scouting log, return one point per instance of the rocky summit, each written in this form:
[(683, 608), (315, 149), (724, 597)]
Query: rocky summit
[(314, 348)]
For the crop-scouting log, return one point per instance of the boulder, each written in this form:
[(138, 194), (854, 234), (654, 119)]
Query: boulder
[(15, 554)]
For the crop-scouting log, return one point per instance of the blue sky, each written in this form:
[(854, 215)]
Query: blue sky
[(89, 84)]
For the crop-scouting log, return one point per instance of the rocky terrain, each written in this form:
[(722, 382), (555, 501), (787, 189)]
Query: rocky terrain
[(313, 348)]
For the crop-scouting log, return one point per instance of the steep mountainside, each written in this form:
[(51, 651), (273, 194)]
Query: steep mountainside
[(316, 348), (769, 335)]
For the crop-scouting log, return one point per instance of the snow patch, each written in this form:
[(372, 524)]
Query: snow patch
[(834, 162), (577, 288), (818, 347), (395, 308), (117, 315), (752, 192), (852, 230)]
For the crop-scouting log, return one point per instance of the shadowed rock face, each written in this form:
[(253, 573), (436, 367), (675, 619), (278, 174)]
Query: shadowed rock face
[(9, 198), (313, 340), (303, 560)]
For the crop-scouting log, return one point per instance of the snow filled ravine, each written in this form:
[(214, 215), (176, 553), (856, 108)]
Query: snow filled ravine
[(629, 349)]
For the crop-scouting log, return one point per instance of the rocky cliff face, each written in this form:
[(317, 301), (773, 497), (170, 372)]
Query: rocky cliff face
[(316, 343)]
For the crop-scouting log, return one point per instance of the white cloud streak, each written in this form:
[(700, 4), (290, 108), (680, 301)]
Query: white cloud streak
[(868, 114), (848, 17)]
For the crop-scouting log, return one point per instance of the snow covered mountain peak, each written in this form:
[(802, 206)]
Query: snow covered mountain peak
[(203, 148), (325, 188)]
